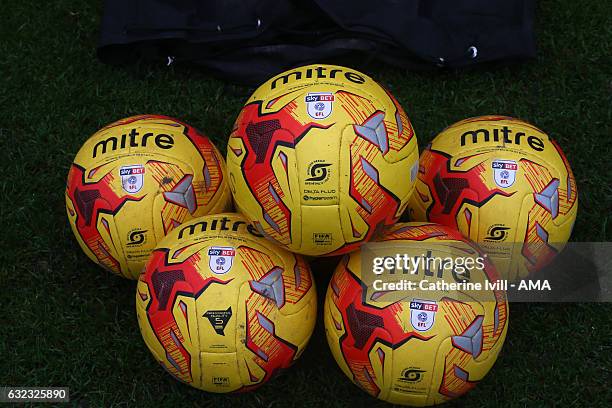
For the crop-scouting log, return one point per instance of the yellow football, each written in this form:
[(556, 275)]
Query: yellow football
[(134, 181), (504, 184), (321, 158), (223, 309), (418, 345)]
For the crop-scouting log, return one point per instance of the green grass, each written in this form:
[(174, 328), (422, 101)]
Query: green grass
[(65, 322)]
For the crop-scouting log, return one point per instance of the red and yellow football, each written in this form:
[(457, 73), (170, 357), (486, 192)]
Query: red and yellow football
[(134, 181), (415, 345), (223, 309), (321, 158), (503, 183)]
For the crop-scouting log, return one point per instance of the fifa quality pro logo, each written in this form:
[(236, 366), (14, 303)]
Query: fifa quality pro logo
[(322, 238)]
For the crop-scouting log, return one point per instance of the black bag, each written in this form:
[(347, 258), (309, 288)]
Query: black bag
[(248, 41)]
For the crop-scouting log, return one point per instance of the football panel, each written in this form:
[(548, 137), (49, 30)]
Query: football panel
[(457, 372), (208, 169), (334, 330), (217, 310), (468, 221), (412, 373), (102, 239), (323, 233), (318, 167), (362, 165), (297, 327), (259, 342), (107, 246), (94, 246), (402, 137), (258, 192), (299, 284), (179, 196), (91, 208), (373, 192), (173, 312), (419, 201), (184, 312), (378, 120), (220, 372), (466, 356), (251, 373), (169, 334)]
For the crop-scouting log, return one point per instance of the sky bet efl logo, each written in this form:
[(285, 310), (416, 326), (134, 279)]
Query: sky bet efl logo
[(423, 314), (221, 259), (504, 172), (319, 104), (132, 178)]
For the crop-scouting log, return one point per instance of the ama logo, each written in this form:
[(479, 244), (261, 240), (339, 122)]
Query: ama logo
[(319, 105), (220, 259), (504, 172), (423, 314)]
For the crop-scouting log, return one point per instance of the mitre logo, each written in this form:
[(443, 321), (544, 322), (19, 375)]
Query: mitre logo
[(132, 139), (503, 135), (217, 224), (320, 72)]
